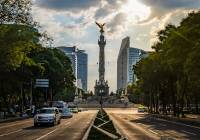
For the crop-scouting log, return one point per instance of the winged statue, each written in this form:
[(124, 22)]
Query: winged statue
[(101, 26)]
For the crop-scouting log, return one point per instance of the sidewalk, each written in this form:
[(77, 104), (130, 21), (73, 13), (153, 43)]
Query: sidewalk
[(190, 119), (12, 119)]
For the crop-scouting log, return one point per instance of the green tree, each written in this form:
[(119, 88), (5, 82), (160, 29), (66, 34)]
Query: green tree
[(15, 11), (170, 75), (17, 43), (57, 69)]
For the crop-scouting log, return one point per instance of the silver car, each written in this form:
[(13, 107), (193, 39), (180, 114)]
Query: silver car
[(65, 112), (48, 115)]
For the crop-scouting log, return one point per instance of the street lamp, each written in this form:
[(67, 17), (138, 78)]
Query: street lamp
[(101, 100)]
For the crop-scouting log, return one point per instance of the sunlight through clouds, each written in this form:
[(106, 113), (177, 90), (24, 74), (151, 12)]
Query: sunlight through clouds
[(72, 22), (135, 11)]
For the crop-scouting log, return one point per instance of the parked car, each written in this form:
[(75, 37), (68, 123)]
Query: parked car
[(74, 110), (48, 115), (59, 104), (141, 109), (80, 109), (65, 112)]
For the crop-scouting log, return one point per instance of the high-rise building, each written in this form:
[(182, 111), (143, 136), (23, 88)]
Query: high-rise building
[(82, 68), (71, 53), (127, 57), (79, 60)]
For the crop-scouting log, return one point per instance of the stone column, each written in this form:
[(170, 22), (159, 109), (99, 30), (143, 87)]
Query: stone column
[(102, 43)]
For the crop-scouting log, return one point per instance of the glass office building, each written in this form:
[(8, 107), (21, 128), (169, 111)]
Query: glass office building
[(79, 60), (82, 68), (127, 57)]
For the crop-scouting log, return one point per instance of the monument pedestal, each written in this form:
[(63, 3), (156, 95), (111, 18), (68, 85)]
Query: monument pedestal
[(101, 88)]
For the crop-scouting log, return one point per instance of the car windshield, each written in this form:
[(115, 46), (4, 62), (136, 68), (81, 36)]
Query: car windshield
[(66, 110), (47, 111)]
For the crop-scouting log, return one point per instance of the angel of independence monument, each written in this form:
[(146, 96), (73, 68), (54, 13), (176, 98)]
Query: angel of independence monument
[(101, 86)]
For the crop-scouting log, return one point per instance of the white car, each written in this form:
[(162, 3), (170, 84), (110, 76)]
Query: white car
[(48, 115), (59, 104), (142, 109), (65, 113)]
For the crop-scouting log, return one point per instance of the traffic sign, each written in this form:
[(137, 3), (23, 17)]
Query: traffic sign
[(42, 83)]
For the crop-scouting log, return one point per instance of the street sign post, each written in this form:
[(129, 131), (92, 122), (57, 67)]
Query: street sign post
[(42, 83)]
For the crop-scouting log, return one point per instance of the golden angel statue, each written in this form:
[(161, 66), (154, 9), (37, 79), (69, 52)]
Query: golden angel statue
[(101, 26)]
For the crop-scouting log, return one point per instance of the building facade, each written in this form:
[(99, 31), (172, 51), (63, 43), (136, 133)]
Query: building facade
[(127, 57), (79, 60), (82, 68), (122, 64)]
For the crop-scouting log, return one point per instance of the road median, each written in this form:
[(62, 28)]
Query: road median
[(103, 128)]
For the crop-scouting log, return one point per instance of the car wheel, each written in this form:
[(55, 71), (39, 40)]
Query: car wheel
[(35, 124), (59, 121), (55, 122)]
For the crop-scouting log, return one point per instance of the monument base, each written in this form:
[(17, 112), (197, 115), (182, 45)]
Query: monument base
[(101, 88)]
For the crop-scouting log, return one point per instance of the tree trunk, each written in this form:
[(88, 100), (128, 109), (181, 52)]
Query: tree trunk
[(196, 106), (183, 95), (151, 106)]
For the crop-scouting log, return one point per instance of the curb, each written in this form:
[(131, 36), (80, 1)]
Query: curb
[(118, 130), (13, 119)]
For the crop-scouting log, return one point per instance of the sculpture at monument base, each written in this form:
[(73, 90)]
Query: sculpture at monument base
[(101, 89)]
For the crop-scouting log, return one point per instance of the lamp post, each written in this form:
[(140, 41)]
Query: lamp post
[(101, 99)]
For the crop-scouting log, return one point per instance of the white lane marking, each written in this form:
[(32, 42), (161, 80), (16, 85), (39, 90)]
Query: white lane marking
[(188, 132), (180, 124), (140, 123), (10, 133), (46, 134), (153, 131), (15, 124), (51, 131)]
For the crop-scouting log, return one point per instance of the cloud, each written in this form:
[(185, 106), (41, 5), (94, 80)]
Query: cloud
[(161, 7), (170, 18), (117, 25), (68, 5), (165, 12), (172, 4), (89, 10), (71, 22), (109, 7)]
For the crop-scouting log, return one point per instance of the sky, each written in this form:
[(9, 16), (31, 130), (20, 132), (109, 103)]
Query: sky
[(72, 23)]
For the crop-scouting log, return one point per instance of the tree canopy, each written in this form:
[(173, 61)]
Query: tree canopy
[(24, 58), (170, 76)]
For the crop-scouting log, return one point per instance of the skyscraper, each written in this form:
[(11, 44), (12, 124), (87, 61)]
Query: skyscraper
[(71, 53), (126, 59), (82, 68), (79, 60)]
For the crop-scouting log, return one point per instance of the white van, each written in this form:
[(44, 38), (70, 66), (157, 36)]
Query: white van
[(59, 104)]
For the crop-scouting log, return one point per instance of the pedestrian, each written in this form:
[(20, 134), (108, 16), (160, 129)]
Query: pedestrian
[(33, 110)]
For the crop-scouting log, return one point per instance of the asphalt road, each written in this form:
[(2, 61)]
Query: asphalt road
[(140, 126), (69, 129)]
